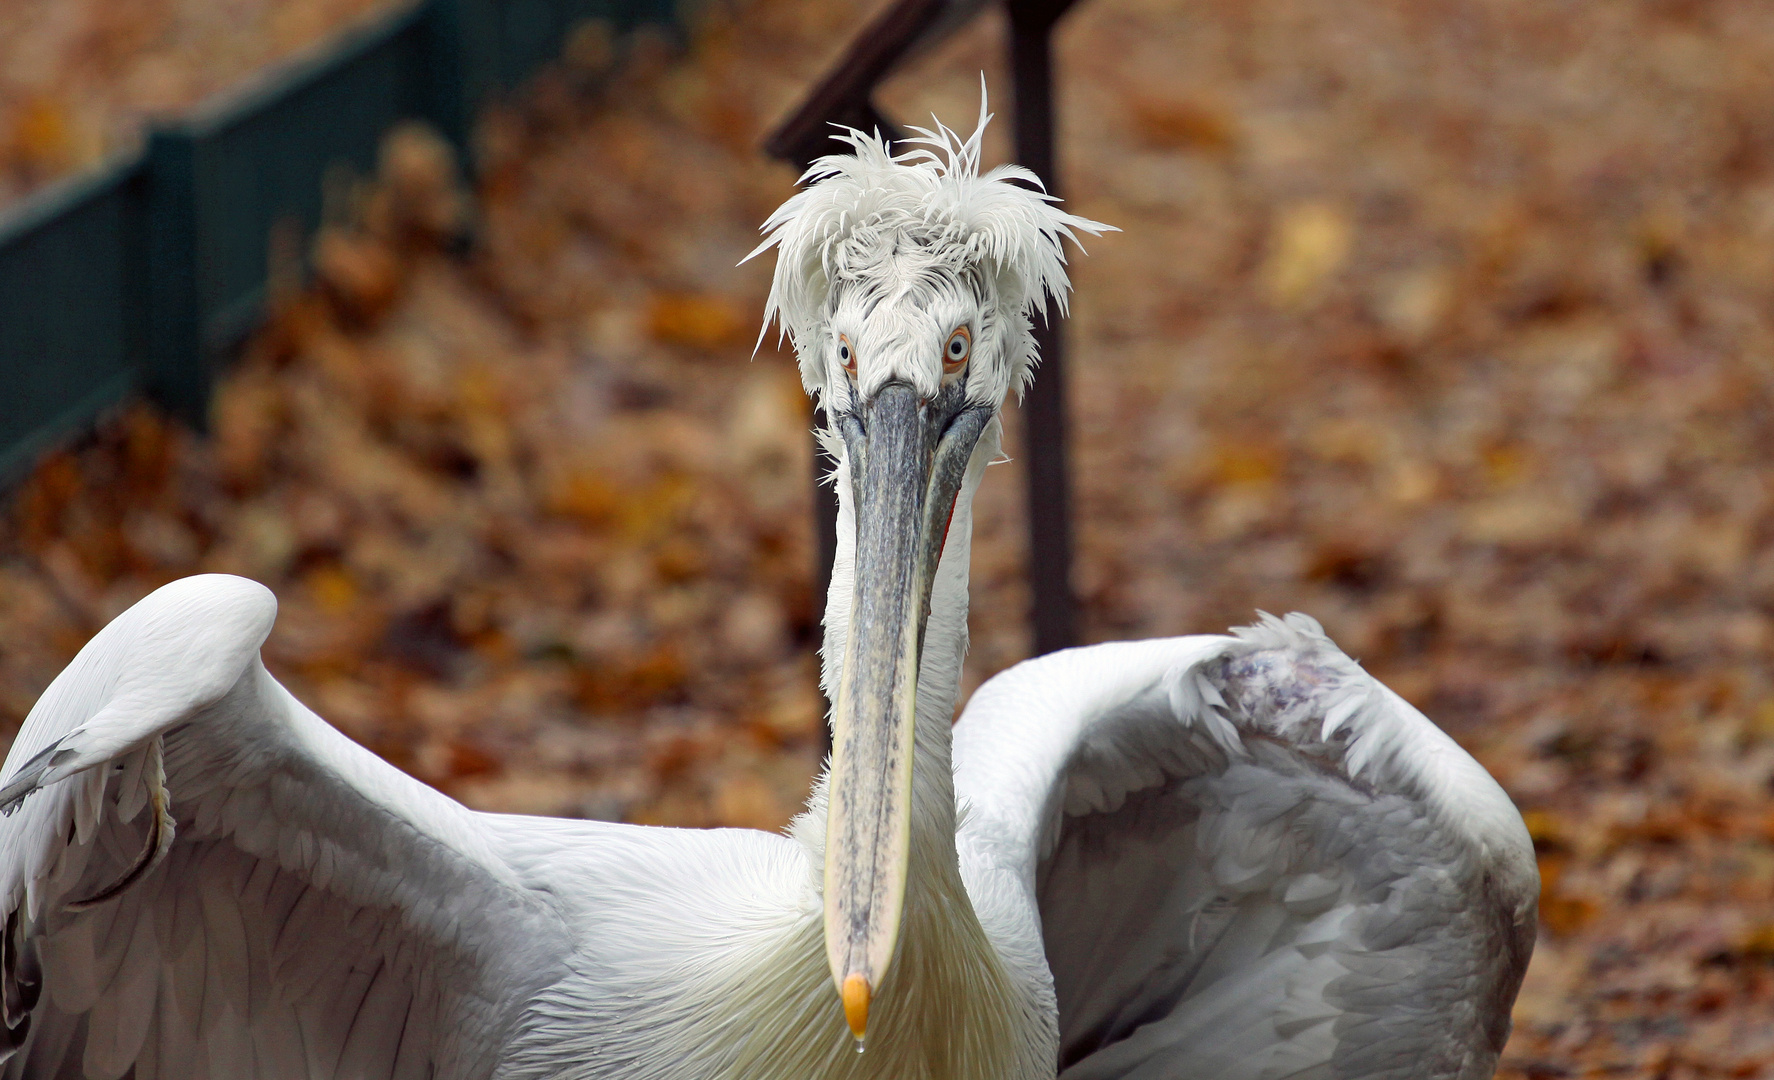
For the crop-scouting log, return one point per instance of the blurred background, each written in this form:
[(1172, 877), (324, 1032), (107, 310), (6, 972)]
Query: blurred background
[(1450, 322)]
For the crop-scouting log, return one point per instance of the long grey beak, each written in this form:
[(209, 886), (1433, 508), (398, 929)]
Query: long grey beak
[(907, 460)]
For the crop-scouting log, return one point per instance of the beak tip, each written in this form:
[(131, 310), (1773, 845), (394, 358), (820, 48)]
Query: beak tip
[(856, 994)]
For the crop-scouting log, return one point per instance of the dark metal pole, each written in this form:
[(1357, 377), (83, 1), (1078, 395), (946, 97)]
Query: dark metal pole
[(1044, 406)]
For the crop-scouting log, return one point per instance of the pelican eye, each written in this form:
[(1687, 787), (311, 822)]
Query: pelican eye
[(846, 355), (959, 348)]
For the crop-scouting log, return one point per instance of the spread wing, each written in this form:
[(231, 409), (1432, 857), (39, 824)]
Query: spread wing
[(199, 877), (1249, 860)]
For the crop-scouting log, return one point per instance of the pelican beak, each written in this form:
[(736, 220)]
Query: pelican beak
[(907, 459)]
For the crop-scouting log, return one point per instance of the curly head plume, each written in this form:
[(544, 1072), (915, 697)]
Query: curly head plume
[(1003, 224)]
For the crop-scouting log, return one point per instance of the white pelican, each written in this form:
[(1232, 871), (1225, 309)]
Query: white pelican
[(1229, 857)]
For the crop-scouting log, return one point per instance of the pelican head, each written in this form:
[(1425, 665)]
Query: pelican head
[(906, 284)]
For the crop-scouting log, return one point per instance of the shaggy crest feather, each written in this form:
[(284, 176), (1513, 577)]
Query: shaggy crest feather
[(859, 208)]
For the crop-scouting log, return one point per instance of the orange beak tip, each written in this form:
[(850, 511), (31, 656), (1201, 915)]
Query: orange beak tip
[(855, 993)]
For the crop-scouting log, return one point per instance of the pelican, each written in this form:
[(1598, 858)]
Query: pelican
[(1236, 857)]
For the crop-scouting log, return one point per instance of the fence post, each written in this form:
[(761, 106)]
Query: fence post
[(463, 49), (176, 370), (1044, 405)]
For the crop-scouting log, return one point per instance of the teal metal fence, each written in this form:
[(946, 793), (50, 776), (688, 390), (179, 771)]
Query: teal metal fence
[(142, 276)]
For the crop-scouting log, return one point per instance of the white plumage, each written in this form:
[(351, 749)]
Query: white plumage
[(1238, 857)]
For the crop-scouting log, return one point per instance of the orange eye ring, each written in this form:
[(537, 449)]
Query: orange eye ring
[(956, 351), (846, 354)]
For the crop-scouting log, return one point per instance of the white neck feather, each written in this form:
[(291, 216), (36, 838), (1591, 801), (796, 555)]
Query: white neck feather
[(760, 1004), (948, 1008), (754, 999)]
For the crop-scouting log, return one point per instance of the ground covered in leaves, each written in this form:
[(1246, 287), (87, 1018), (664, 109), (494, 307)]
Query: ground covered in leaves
[(1448, 322)]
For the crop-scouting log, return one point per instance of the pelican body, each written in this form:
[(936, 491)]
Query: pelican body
[(1232, 856)]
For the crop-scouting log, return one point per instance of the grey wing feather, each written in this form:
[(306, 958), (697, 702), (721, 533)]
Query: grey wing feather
[(1251, 861), (200, 877)]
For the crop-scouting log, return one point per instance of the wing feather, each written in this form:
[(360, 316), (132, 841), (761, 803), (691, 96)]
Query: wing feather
[(224, 938), (50, 1048), (120, 1017), (1247, 860), (415, 1035), (277, 1043), (191, 971), (284, 906), (228, 1049), (373, 1041), (147, 1062), (187, 904), (69, 953)]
